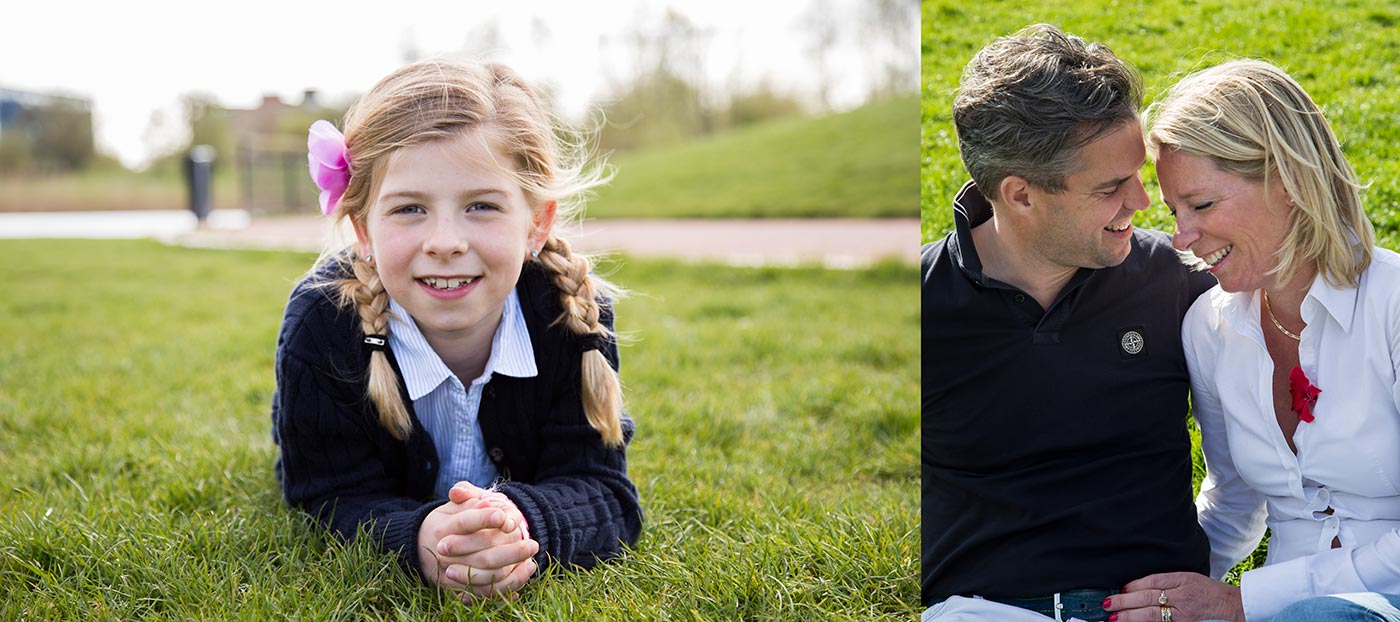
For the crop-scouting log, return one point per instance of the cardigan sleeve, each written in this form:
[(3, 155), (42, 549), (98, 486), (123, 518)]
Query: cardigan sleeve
[(581, 506), (331, 464)]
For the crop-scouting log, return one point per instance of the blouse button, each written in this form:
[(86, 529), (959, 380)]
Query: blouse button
[(496, 454), (1020, 298)]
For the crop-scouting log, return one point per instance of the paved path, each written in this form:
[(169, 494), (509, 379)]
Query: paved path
[(830, 242)]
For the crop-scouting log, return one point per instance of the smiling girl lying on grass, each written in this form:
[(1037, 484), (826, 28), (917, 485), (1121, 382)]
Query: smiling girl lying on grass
[(448, 384)]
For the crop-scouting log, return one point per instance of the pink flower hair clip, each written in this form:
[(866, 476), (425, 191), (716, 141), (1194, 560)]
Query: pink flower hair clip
[(329, 163)]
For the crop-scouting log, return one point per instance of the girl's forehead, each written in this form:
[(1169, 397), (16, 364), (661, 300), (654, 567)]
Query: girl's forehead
[(471, 158)]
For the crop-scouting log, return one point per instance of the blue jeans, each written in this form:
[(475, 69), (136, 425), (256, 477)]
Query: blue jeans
[(1368, 607)]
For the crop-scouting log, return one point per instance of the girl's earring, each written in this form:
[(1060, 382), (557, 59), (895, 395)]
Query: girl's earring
[(534, 253), (369, 258)]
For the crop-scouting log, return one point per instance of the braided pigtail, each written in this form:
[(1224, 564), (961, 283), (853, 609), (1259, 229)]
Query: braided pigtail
[(578, 293), (371, 301)]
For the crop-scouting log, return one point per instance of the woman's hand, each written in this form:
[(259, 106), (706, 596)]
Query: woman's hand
[(1191, 597)]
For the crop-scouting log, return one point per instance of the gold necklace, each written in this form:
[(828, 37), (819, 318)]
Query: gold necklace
[(1275, 320)]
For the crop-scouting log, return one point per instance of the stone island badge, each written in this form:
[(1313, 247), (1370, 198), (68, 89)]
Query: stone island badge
[(1132, 343)]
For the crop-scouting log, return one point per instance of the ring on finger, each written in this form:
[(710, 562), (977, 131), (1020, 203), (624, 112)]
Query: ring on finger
[(1162, 600), (1166, 613)]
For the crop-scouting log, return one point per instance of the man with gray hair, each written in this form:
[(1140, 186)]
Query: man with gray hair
[(1056, 458)]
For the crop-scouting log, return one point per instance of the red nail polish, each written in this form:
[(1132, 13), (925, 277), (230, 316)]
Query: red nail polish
[(1113, 618), (1107, 602)]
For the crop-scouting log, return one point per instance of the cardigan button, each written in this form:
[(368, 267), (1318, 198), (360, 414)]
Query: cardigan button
[(496, 454)]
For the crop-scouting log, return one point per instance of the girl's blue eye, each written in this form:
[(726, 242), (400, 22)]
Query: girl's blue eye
[(476, 207), (408, 209)]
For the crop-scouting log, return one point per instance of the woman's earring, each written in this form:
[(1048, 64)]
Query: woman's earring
[(369, 258), (535, 253)]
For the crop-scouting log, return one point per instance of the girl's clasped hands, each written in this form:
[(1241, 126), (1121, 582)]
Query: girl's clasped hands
[(477, 544)]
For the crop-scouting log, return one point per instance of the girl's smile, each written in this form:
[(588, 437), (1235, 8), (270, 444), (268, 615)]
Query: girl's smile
[(448, 287)]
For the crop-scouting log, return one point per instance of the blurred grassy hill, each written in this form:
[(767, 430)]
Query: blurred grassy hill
[(1345, 53), (857, 164)]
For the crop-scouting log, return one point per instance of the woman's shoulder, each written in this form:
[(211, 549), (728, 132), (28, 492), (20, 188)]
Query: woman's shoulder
[(1385, 265), (1380, 283), (1204, 320)]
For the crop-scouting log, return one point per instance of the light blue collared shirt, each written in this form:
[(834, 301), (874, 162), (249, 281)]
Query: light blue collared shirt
[(447, 409)]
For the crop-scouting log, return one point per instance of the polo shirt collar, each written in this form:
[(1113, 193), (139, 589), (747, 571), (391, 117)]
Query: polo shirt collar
[(970, 209), (512, 353)]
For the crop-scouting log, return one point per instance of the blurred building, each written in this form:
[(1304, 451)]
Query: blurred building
[(272, 117), (44, 131), (270, 151)]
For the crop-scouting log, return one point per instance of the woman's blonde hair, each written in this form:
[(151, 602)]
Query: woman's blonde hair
[(1251, 119), (435, 100)]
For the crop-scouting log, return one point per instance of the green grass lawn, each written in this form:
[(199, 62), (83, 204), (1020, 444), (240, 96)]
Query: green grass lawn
[(776, 454), (857, 164), (1345, 53)]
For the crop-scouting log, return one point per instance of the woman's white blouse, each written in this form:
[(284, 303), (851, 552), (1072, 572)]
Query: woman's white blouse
[(1348, 457)]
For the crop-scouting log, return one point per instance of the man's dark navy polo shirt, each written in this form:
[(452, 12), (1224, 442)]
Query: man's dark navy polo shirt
[(1055, 448)]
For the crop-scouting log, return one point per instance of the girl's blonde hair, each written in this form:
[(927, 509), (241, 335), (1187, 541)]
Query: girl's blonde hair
[(1251, 119), (435, 100)]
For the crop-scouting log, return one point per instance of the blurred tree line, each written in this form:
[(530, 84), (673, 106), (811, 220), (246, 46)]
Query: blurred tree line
[(664, 99), (53, 137), (667, 100)]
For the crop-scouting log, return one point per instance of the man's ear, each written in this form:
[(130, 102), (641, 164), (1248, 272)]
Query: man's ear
[(1015, 193)]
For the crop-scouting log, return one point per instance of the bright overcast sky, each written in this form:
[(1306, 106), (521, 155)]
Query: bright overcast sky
[(132, 58)]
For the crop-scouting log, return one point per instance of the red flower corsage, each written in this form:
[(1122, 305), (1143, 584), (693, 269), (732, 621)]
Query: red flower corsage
[(1304, 394)]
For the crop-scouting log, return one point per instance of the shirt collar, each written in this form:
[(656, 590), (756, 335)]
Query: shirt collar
[(512, 353), (970, 209), (1242, 309), (1338, 302)]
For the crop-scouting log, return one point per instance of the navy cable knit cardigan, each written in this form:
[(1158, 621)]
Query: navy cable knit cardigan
[(341, 466)]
